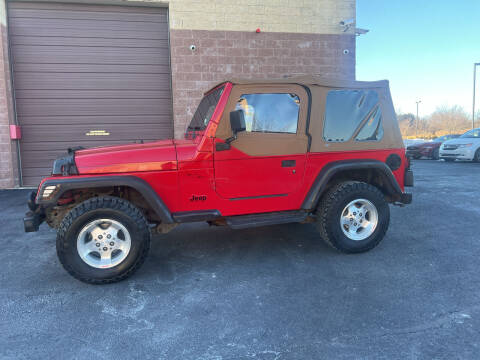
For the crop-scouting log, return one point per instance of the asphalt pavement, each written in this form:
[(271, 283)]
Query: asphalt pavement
[(268, 293)]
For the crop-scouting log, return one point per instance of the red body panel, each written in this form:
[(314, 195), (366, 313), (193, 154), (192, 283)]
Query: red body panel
[(190, 175), (158, 155)]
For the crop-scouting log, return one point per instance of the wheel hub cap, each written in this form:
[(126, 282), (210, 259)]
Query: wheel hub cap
[(359, 219), (103, 243)]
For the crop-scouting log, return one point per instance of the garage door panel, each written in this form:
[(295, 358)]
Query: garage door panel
[(161, 34), (92, 68), (54, 6), (92, 94), (87, 55), (50, 133), (95, 119), (88, 81), (53, 23), (87, 41), (80, 69), (99, 107), (79, 14)]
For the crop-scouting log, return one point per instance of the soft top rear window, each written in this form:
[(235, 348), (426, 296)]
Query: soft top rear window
[(344, 112)]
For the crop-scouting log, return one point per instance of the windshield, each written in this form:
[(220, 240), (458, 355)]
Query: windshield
[(205, 110), (475, 133)]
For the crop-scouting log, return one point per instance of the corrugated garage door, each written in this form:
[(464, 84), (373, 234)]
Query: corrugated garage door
[(87, 75)]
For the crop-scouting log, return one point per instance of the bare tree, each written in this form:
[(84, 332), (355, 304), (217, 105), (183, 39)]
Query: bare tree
[(450, 120), (445, 120)]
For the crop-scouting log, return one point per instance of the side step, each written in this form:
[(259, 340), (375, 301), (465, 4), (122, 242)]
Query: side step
[(273, 218)]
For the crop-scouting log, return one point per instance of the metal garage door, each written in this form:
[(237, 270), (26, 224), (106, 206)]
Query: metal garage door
[(87, 75)]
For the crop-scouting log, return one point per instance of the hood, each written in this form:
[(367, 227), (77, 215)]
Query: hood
[(421, 144), (430, 144), (152, 156)]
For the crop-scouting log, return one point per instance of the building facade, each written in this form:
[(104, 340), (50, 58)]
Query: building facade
[(93, 73)]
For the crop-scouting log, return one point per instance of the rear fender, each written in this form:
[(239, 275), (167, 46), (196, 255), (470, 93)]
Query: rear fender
[(328, 173)]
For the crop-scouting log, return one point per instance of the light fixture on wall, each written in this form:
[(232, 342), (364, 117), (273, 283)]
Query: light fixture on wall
[(193, 47), (359, 31), (347, 24)]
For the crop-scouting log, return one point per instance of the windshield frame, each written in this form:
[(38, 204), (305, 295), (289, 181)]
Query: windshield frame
[(205, 111)]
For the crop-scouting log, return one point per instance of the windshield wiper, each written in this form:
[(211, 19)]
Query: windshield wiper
[(194, 129)]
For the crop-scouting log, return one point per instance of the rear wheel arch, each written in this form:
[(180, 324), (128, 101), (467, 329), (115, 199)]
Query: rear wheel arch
[(373, 172)]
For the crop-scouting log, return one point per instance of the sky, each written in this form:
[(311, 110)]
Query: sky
[(425, 48)]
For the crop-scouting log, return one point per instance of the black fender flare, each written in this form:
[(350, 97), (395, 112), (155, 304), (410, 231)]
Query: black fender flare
[(330, 170), (64, 185)]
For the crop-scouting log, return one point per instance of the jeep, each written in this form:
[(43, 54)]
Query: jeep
[(256, 153)]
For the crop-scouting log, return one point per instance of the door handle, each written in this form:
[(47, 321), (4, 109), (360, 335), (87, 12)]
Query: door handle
[(288, 163)]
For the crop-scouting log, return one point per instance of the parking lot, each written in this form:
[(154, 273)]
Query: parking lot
[(267, 293)]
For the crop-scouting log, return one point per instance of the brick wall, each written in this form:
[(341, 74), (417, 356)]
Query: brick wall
[(222, 55), (298, 37), (303, 16), (7, 147)]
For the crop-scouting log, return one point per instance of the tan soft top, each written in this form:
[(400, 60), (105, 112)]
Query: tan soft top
[(309, 80), (319, 87)]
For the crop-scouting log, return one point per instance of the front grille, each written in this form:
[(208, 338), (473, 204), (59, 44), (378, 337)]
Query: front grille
[(450, 147), (412, 148)]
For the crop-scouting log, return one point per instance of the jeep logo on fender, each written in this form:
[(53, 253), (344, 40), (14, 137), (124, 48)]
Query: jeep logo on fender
[(198, 198)]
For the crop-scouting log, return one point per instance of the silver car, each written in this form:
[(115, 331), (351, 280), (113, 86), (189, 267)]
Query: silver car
[(466, 147)]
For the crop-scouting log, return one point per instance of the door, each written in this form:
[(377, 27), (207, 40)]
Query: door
[(268, 159), (87, 75)]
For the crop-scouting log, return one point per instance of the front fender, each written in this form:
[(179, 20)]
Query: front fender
[(63, 185)]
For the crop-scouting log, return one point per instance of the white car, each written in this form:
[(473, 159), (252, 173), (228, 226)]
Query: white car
[(465, 147)]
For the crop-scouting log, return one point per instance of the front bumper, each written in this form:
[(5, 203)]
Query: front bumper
[(413, 153), (34, 217), (459, 154)]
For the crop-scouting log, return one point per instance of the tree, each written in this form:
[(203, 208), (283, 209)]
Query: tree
[(449, 120), (407, 124)]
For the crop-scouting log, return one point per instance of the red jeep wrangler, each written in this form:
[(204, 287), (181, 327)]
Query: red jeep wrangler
[(255, 153)]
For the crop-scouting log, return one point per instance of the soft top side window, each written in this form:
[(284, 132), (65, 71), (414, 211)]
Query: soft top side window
[(270, 113), (345, 110)]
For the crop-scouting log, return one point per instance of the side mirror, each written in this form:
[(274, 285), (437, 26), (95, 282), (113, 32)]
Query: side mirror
[(237, 121)]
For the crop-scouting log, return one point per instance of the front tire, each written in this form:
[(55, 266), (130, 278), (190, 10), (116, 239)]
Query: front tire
[(353, 217), (476, 157), (436, 154), (103, 240)]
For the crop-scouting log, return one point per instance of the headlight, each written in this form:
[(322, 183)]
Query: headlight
[(464, 145)]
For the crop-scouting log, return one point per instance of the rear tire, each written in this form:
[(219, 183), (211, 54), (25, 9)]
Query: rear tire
[(103, 240), (339, 224), (416, 157), (449, 160)]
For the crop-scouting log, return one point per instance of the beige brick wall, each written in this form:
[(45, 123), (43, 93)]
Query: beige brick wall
[(302, 16), (297, 37)]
